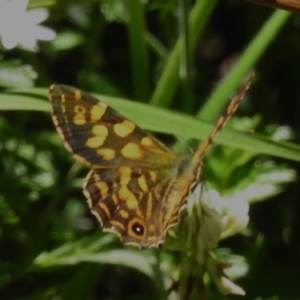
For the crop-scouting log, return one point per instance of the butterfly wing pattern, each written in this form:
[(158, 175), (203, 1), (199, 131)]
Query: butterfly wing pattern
[(137, 185)]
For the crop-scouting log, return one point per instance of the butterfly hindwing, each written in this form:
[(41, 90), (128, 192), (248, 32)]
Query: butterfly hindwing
[(129, 201)]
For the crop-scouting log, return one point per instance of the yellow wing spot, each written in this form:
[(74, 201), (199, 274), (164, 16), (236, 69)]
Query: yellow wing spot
[(153, 175), (98, 111), (115, 199), (63, 98), (78, 95), (95, 141), (129, 197), (124, 128), (124, 214), (152, 238), (125, 175), (124, 192), (147, 141), (63, 108), (132, 202), (100, 132), (79, 118), (132, 151), (103, 187), (142, 183), (106, 153), (104, 208), (151, 227), (117, 224), (96, 177), (149, 207)]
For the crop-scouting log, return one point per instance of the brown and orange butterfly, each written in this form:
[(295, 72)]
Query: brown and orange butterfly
[(137, 185)]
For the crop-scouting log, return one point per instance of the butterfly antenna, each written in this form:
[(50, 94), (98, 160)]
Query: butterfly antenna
[(223, 119)]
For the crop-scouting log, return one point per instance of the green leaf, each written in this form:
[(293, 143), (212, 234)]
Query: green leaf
[(67, 40), (79, 252), (162, 120), (245, 63)]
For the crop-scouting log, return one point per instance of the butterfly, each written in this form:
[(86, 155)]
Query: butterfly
[(137, 186)]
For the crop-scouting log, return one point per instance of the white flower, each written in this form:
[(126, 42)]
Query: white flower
[(233, 211), (225, 285), (236, 217), (18, 26)]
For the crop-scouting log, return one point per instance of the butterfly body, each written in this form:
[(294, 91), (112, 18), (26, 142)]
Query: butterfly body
[(137, 185)]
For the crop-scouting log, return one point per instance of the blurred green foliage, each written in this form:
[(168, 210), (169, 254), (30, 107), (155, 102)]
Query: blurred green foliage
[(50, 245)]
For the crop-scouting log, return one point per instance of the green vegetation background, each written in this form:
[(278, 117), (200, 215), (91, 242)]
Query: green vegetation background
[(50, 245)]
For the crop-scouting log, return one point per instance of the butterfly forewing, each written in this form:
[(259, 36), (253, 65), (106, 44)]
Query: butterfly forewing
[(98, 135)]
